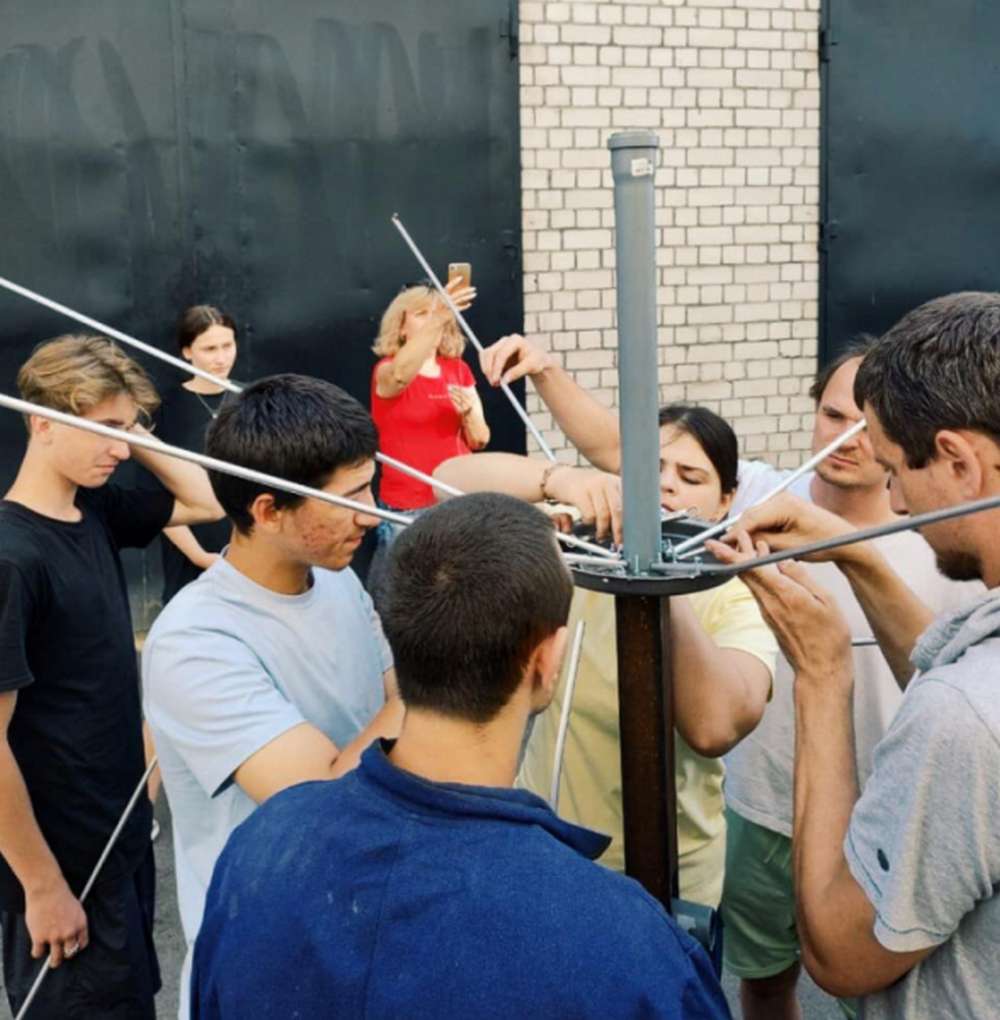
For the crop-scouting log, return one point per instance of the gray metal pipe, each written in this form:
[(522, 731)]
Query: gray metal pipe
[(633, 163)]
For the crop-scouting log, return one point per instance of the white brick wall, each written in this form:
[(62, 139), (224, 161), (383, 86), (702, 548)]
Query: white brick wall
[(732, 89)]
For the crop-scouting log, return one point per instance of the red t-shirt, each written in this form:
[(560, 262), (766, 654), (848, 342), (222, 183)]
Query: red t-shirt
[(421, 428)]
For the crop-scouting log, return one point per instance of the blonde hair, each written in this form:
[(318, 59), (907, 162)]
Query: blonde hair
[(389, 341), (75, 373)]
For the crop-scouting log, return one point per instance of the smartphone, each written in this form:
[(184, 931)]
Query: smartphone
[(460, 269)]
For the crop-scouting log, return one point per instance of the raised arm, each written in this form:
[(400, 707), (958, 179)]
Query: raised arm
[(195, 503), (53, 915), (589, 425), (596, 494), (184, 539)]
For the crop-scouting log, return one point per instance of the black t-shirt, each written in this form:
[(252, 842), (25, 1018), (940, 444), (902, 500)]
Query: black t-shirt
[(66, 647), (182, 420)]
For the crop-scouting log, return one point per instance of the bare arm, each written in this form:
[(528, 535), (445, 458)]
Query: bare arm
[(474, 428), (596, 494), (719, 693), (54, 917), (835, 918), (897, 617), (183, 538), (305, 753), (590, 426), (188, 483)]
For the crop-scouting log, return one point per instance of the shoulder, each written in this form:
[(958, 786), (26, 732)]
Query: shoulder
[(457, 370), (22, 541)]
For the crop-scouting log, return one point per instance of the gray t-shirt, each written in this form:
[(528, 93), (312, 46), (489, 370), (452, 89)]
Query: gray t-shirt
[(228, 667), (924, 839)]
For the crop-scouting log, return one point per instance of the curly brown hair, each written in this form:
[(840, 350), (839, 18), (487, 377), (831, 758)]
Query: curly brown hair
[(389, 340)]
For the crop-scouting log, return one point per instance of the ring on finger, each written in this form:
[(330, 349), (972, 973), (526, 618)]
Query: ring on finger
[(71, 948)]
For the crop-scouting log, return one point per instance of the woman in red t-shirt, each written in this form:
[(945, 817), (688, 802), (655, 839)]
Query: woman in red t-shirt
[(424, 398)]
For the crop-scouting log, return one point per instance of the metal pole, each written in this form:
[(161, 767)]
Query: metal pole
[(646, 726), (567, 710), (467, 330), (112, 839), (146, 442), (633, 161)]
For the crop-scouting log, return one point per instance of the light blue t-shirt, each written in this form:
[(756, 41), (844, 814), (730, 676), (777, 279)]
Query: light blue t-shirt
[(228, 667)]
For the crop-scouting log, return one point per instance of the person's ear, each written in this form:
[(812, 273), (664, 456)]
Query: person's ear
[(546, 662), (725, 505), (41, 429), (957, 455), (186, 354), (265, 514)]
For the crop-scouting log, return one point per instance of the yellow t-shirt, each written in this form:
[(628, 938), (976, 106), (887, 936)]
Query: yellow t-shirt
[(590, 787)]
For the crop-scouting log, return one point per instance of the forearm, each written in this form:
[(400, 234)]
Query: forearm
[(402, 369), (184, 540), (22, 844), (719, 693), (897, 617), (188, 484), (590, 426), (385, 726), (826, 789), (495, 472), (475, 430)]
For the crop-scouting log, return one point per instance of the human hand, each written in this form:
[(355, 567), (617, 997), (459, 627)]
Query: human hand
[(55, 918), (809, 626), (461, 296), (462, 400), (513, 357), (787, 522), (596, 494)]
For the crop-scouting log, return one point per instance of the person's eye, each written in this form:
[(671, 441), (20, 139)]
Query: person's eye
[(692, 480)]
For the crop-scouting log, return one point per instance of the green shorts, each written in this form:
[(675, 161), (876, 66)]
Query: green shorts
[(758, 904)]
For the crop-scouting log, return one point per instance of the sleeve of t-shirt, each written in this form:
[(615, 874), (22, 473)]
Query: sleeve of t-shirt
[(16, 606), (135, 516), (464, 374), (754, 481), (731, 618), (207, 693), (924, 840)]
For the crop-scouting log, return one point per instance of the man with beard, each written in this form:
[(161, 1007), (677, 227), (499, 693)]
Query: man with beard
[(896, 884)]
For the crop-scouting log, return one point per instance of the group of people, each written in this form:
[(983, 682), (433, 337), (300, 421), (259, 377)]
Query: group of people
[(837, 738)]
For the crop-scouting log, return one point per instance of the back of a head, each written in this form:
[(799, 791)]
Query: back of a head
[(937, 368), (292, 426), (75, 373), (474, 585)]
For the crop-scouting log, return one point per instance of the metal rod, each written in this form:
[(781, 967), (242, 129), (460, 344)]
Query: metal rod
[(567, 706), (633, 161), (473, 339), (186, 366), (101, 327), (209, 463), (112, 839), (578, 560), (824, 545), (686, 548)]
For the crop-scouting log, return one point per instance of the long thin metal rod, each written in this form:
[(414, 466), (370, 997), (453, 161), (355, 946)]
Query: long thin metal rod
[(567, 705), (108, 847), (864, 535), (186, 366), (209, 463), (687, 546), (102, 327), (473, 339)]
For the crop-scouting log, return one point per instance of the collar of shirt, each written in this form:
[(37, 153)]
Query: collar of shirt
[(460, 800)]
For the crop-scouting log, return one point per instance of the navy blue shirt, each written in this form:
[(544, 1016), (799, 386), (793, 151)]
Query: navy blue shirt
[(382, 895)]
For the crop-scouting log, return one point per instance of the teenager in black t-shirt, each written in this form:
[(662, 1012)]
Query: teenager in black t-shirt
[(70, 738), (207, 338)]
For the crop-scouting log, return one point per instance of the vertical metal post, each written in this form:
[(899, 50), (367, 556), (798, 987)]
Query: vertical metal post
[(633, 162), (645, 688), (646, 726)]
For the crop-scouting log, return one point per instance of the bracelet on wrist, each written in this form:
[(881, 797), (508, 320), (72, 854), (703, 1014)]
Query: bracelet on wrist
[(546, 475)]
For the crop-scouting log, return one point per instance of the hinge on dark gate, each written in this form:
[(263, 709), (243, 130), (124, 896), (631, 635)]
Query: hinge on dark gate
[(508, 30), (825, 44)]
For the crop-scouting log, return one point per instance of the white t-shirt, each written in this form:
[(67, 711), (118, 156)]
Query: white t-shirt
[(760, 769), (228, 667)]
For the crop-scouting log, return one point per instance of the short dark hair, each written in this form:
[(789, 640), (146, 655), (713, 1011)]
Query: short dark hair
[(196, 319), (937, 368), (473, 585), (713, 434), (293, 426), (856, 348)]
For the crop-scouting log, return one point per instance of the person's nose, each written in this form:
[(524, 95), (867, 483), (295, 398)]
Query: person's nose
[(120, 451)]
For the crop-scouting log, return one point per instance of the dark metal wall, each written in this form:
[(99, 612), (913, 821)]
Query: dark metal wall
[(911, 158), (157, 153)]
